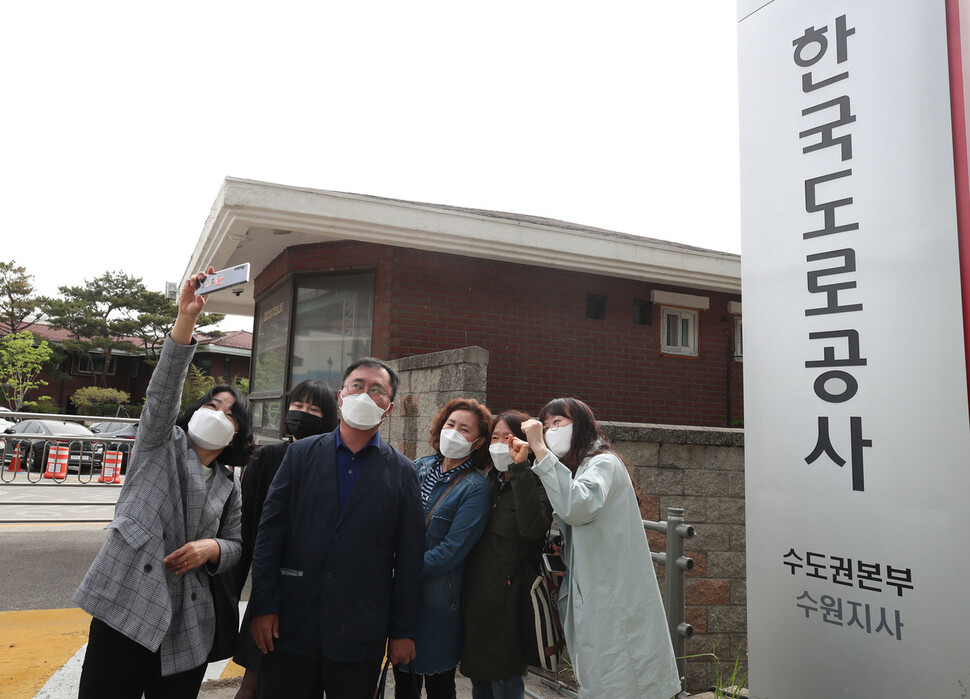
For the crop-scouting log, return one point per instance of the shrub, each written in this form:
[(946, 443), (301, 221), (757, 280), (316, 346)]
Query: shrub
[(197, 384), (92, 400), (43, 404)]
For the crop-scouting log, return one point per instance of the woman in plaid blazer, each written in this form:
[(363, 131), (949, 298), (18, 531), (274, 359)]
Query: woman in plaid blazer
[(148, 588)]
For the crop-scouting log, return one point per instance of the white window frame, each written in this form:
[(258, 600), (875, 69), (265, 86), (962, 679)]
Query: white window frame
[(682, 314), (738, 339)]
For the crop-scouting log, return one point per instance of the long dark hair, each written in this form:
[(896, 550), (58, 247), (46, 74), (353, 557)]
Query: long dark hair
[(316, 393), (588, 437), (241, 446)]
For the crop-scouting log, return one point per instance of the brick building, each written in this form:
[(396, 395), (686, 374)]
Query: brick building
[(642, 329), (223, 357)]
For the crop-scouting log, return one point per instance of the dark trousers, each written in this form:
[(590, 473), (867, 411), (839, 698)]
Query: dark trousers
[(290, 676), (440, 686), (115, 667)]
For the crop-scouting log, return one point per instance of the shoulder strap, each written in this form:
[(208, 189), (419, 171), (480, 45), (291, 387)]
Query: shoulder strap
[(427, 520)]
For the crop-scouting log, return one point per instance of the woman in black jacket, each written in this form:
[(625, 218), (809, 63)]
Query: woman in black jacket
[(312, 411), (517, 525)]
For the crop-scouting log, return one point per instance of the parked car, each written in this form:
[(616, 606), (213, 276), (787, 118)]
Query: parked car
[(123, 432), (34, 436), (6, 422)]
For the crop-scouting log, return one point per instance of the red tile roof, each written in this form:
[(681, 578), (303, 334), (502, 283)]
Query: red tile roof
[(41, 330), (235, 339)]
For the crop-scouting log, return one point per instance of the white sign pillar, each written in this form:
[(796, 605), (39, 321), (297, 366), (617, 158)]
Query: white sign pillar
[(857, 429)]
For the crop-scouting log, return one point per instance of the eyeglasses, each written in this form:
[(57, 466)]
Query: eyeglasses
[(355, 388)]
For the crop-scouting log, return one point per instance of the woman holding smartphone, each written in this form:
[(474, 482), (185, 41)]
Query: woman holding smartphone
[(613, 616), (176, 526)]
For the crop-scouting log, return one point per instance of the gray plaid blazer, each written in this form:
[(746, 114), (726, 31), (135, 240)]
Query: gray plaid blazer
[(163, 504)]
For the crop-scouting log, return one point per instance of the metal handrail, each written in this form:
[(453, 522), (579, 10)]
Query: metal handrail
[(78, 450), (66, 418), (675, 583), (76, 444), (675, 580)]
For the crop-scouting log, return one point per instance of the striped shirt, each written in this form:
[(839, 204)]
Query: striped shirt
[(433, 476)]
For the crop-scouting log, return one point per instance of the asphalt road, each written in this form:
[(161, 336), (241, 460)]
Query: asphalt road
[(42, 565)]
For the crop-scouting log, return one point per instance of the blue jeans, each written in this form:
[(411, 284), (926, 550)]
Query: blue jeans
[(510, 688)]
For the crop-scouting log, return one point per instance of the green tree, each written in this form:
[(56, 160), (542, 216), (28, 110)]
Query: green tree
[(111, 311), (100, 315), (157, 316), (17, 301), (198, 383), (21, 362)]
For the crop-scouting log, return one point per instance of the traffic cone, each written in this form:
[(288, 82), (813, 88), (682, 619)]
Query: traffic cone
[(14, 464), (111, 467), (57, 462)]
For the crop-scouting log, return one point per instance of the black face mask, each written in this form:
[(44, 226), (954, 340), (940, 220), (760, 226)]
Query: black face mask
[(301, 424)]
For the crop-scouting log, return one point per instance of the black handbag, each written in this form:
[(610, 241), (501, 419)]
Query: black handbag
[(382, 682), (226, 605)]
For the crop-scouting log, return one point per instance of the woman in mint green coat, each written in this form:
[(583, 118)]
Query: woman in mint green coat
[(613, 617)]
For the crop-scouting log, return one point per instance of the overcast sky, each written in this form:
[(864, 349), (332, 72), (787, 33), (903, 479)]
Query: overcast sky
[(121, 119)]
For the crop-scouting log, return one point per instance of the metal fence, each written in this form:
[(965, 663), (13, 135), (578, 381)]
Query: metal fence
[(675, 582), (83, 471)]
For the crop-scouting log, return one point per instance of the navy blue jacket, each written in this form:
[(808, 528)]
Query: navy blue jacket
[(341, 582)]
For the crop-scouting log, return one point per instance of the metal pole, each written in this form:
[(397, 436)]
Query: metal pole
[(679, 629)]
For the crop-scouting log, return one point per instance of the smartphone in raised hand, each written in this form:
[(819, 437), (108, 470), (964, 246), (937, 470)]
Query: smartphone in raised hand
[(224, 279)]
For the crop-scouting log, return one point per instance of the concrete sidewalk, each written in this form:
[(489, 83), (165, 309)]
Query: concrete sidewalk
[(226, 689)]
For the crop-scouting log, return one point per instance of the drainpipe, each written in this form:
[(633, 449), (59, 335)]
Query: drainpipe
[(730, 358)]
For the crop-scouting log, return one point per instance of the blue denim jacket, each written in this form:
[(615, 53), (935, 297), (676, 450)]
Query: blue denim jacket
[(455, 528)]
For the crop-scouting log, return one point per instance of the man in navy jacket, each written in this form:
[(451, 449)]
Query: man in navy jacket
[(338, 556)]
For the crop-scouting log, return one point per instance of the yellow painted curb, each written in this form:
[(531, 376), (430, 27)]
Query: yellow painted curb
[(35, 644), (232, 670)]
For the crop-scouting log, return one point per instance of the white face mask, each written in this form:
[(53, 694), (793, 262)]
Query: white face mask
[(453, 445), (559, 439), (361, 412), (501, 456), (210, 429)]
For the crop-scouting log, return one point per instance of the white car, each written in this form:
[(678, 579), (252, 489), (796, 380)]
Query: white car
[(5, 424)]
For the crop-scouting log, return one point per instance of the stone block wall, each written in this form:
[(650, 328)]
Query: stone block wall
[(428, 381), (700, 470)]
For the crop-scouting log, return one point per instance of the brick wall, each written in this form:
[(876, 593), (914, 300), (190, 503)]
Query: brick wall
[(62, 383), (532, 322), (702, 471)]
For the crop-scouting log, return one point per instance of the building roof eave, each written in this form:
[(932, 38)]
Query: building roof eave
[(255, 221)]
